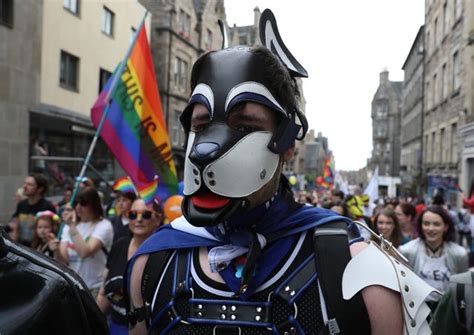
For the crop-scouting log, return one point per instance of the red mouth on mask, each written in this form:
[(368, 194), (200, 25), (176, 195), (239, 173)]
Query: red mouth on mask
[(208, 200)]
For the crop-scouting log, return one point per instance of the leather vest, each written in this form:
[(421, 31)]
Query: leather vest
[(185, 301)]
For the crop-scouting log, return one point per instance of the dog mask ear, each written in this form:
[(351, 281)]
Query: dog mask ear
[(270, 38), (225, 39)]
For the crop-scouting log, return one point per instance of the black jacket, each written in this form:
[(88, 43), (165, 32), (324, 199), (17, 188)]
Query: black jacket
[(41, 296)]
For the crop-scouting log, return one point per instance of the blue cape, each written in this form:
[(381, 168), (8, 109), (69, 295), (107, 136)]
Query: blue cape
[(281, 223)]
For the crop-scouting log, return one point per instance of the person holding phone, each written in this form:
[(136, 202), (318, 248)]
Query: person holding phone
[(86, 239), (143, 221)]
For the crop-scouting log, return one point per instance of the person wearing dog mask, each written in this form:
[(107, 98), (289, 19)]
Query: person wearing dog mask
[(245, 258)]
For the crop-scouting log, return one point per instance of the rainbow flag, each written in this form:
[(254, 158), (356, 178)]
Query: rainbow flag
[(134, 128), (124, 185), (328, 174), (148, 191)]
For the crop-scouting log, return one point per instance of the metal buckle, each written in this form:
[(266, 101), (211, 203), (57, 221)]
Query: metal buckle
[(214, 330), (387, 246), (295, 307)]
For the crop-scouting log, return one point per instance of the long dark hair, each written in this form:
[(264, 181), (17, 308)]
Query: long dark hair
[(36, 242), (89, 196), (436, 209), (396, 236)]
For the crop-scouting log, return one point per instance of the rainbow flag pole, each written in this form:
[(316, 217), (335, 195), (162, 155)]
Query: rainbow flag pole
[(134, 129), (104, 116)]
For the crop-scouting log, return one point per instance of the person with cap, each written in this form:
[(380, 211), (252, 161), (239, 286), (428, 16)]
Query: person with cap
[(245, 258), (120, 222)]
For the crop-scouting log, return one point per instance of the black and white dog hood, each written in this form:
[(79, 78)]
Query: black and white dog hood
[(223, 165)]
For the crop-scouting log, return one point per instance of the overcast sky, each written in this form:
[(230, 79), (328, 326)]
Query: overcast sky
[(344, 45)]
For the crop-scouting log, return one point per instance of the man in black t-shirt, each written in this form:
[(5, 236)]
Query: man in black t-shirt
[(23, 220)]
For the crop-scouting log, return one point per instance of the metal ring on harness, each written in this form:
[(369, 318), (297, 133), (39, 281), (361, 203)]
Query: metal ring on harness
[(295, 308), (385, 244)]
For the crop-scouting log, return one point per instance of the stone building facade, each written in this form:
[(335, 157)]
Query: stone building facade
[(386, 112), (446, 92), (20, 55), (53, 54), (412, 118), (467, 131)]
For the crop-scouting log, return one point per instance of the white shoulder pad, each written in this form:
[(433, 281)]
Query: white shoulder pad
[(372, 266)]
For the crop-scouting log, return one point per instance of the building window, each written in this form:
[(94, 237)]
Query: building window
[(433, 146), (457, 9), (382, 130), (435, 89), (444, 83), (441, 145), (184, 24), (69, 71), (436, 32), (381, 109), (456, 72), (445, 19), (208, 43), (107, 21), (176, 130), (377, 149), (72, 6), (6, 12), (181, 74), (453, 144), (104, 76), (428, 95), (427, 42), (426, 149)]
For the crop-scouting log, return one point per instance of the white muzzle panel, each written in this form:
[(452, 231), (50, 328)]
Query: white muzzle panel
[(242, 170)]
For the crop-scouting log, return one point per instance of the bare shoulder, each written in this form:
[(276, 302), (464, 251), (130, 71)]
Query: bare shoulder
[(357, 247), (383, 305), (136, 298), (136, 279)]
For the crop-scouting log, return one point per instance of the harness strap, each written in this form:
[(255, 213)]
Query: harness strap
[(331, 257), (182, 273), (151, 273), (233, 312), (461, 303)]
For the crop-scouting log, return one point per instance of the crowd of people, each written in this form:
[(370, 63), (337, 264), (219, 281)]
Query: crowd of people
[(435, 238), (245, 257), (94, 239)]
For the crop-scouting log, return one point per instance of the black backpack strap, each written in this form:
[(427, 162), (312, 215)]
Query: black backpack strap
[(462, 288), (331, 247), (151, 273)]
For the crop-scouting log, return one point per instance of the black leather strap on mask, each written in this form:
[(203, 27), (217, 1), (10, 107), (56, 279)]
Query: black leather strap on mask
[(288, 131)]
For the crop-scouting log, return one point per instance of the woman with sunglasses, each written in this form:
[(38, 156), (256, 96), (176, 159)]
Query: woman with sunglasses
[(86, 239), (144, 220), (433, 255)]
